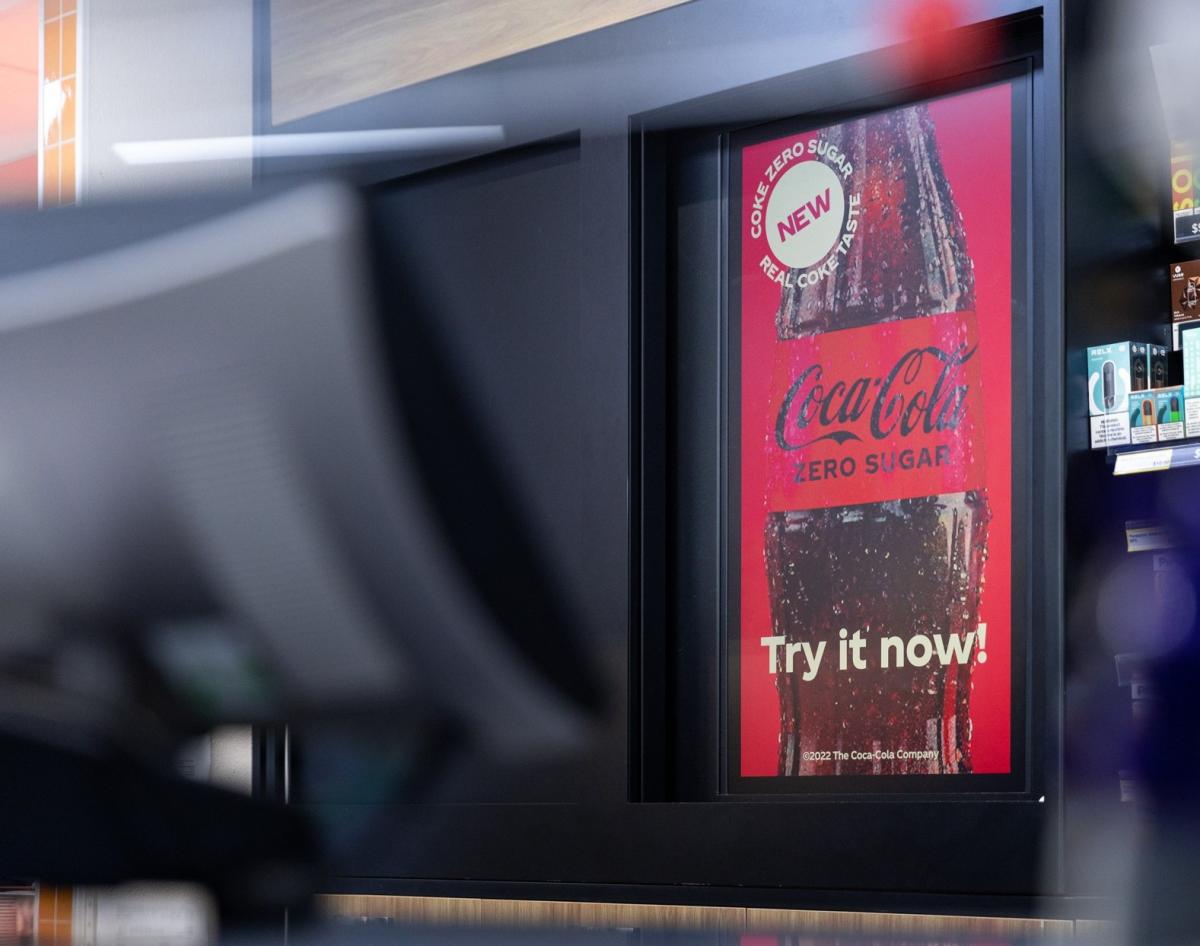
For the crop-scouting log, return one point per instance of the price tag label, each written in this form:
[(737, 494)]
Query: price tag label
[(1147, 461)]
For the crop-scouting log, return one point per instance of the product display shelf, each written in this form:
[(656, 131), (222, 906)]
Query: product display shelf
[(1154, 457)]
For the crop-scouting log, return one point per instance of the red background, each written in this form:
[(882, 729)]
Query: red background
[(973, 132)]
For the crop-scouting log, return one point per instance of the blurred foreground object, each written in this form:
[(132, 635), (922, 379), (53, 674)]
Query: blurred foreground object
[(928, 40), (134, 915), (230, 492)]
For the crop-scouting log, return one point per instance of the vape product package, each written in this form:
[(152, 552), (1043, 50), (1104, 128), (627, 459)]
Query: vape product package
[(1185, 294), (1189, 343), (1110, 377), (1139, 366), (1177, 328), (1158, 366), (1143, 418), (1185, 290), (1169, 404)]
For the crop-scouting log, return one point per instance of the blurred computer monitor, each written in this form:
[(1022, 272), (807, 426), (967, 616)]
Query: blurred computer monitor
[(217, 457)]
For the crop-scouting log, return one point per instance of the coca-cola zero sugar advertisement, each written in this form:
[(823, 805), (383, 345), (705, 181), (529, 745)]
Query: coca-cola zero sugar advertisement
[(871, 450)]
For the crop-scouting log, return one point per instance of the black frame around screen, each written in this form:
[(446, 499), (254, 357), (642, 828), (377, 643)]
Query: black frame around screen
[(1017, 781)]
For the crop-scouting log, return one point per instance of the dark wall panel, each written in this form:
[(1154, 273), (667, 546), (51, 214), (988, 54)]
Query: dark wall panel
[(490, 252)]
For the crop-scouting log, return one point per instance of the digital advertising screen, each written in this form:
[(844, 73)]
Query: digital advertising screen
[(870, 443)]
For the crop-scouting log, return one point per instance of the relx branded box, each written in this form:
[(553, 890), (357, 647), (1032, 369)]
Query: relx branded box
[(1110, 378), (1110, 375), (1158, 366), (1169, 404), (1143, 418)]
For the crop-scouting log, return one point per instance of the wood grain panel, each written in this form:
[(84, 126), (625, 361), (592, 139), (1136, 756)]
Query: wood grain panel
[(326, 53), (448, 911), (661, 916), (475, 912), (831, 921), (556, 913)]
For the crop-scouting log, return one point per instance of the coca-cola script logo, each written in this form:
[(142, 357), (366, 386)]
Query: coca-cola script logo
[(899, 402)]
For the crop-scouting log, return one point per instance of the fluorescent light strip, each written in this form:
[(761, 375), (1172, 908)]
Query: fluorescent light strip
[(314, 144)]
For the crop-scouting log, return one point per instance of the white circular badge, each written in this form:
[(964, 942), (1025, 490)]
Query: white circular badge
[(805, 214)]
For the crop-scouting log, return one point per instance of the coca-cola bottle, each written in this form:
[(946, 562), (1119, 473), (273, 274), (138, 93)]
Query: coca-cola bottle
[(889, 569), (894, 568), (910, 259)]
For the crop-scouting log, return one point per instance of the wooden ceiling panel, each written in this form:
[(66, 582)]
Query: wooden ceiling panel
[(326, 53)]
